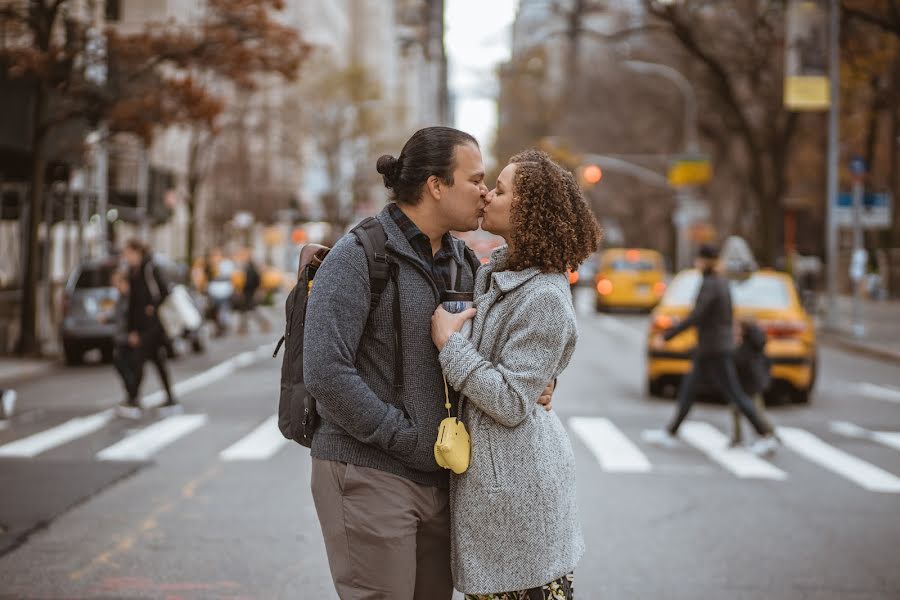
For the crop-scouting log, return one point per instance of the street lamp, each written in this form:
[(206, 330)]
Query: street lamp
[(685, 205)]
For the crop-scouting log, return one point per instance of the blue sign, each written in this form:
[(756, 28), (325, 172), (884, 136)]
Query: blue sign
[(871, 200), (858, 166)]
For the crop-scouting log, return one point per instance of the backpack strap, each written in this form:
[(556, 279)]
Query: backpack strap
[(371, 235)]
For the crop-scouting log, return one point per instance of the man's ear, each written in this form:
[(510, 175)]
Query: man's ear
[(433, 185)]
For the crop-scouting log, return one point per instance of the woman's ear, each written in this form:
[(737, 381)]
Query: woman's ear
[(433, 185)]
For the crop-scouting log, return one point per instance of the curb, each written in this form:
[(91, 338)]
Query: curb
[(841, 342)]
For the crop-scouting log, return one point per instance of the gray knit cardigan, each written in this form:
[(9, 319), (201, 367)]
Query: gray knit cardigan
[(514, 518)]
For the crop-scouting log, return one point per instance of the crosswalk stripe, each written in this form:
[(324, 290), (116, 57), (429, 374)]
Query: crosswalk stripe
[(260, 444), (856, 470), (739, 461), (150, 440), (38, 443), (881, 392), (890, 439), (613, 450)]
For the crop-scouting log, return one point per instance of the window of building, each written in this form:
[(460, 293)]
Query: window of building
[(113, 10)]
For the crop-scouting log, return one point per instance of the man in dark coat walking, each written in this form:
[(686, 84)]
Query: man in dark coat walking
[(713, 358)]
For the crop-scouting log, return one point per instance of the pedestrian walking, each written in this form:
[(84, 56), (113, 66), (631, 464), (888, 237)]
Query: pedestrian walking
[(8, 398), (147, 290), (713, 358), (515, 528), (381, 498), (248, 305), (753, 370), (125, 357)]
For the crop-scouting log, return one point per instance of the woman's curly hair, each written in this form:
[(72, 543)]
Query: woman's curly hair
[(552, 226)]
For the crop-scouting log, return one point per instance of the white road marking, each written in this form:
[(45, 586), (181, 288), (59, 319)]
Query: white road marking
[(613, 450), (739, 461), (220, 371), (260, 444), (879, 392), (846, 465), (852, 430), (72, 429), (150, 440)]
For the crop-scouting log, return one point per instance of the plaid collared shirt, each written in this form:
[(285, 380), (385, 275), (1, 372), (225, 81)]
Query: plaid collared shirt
[(438, 265)]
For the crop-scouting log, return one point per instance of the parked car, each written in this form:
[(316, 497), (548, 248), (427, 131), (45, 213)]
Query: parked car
[(89, 302), (629, 278), (768, 297)]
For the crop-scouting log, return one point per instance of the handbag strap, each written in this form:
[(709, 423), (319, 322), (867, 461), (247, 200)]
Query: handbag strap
[(447, 404)]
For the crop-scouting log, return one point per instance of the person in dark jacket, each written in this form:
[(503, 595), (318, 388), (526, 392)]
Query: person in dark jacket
[(124, 356), (752, 367), (147, 290), (713, 358)]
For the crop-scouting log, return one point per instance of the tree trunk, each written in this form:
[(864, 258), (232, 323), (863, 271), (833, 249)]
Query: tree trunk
[(28, 340)]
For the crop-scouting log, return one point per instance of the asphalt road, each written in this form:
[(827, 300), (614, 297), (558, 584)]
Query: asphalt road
[(212, 504)]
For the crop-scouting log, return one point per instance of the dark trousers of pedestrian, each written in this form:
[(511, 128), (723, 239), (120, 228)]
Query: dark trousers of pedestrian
[(152, 348), (737, 434), (719, 370), (387, 538), (125, 360)]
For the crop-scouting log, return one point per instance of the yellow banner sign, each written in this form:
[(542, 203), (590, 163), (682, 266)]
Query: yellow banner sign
[(690, 172)]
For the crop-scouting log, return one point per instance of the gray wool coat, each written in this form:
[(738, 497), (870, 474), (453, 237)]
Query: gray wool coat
[(514, 518)]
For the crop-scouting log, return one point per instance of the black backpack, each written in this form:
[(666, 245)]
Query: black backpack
[(297, 416)]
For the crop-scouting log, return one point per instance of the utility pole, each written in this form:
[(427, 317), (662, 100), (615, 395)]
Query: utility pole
[(833, 152)]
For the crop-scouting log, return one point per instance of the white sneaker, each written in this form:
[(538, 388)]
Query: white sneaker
[(168, 410), (128, 411), (660, 437), (8, 401), (766, 445)]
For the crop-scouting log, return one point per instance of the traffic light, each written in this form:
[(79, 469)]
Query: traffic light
[(589, 175)]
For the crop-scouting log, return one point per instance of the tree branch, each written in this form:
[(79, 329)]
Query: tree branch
[(892, 27)]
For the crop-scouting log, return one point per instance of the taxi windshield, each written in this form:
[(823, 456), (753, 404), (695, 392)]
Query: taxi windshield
[(635, 264), (757, 291)]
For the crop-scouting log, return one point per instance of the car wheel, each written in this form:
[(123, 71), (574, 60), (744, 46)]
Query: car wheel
[(74, 354), (600, 307), (106, 353)]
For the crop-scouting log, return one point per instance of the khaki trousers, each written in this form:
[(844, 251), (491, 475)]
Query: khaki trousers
[(386, 537)]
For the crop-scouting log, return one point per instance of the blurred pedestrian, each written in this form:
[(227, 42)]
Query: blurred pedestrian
[(248, 304), (7, 405), (220, 290), (753, 368), (125, 357), (713, 358), (147, 290)]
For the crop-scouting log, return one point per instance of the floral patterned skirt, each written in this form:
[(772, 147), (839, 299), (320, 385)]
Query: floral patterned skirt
[(558, 589)]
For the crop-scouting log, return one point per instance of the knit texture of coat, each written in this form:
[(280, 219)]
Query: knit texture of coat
[(348, 361), (514, 518)]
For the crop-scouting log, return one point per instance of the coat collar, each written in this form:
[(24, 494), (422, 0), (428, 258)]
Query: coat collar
[(507, 281)]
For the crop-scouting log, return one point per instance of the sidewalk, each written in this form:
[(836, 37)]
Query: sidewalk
[(882, 328), (14, 369)]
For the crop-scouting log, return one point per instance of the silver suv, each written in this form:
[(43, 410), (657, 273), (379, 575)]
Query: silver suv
[(89, 305)]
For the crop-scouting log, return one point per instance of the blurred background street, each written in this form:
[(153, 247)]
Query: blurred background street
[(226, 134)]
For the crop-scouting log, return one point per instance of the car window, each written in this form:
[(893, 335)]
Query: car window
[(683, 289), (94, 277), (757, 291), (760, 292), (639, 265)]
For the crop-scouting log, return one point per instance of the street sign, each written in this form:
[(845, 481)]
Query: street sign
[(690, 170), (876, 210), (858, 166)]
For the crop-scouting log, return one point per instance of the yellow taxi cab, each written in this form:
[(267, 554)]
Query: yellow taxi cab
[(632, 278), (770, 299)]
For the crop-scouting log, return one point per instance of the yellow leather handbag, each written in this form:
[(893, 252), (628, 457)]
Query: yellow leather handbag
[(453, 448)]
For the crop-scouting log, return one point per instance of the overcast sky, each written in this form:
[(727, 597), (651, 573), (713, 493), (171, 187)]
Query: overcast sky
[(477, 40)]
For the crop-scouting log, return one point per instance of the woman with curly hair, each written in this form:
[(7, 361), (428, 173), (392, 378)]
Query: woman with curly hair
[(514, 521)]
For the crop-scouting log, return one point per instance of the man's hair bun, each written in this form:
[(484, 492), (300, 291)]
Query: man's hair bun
[(389, 167)]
